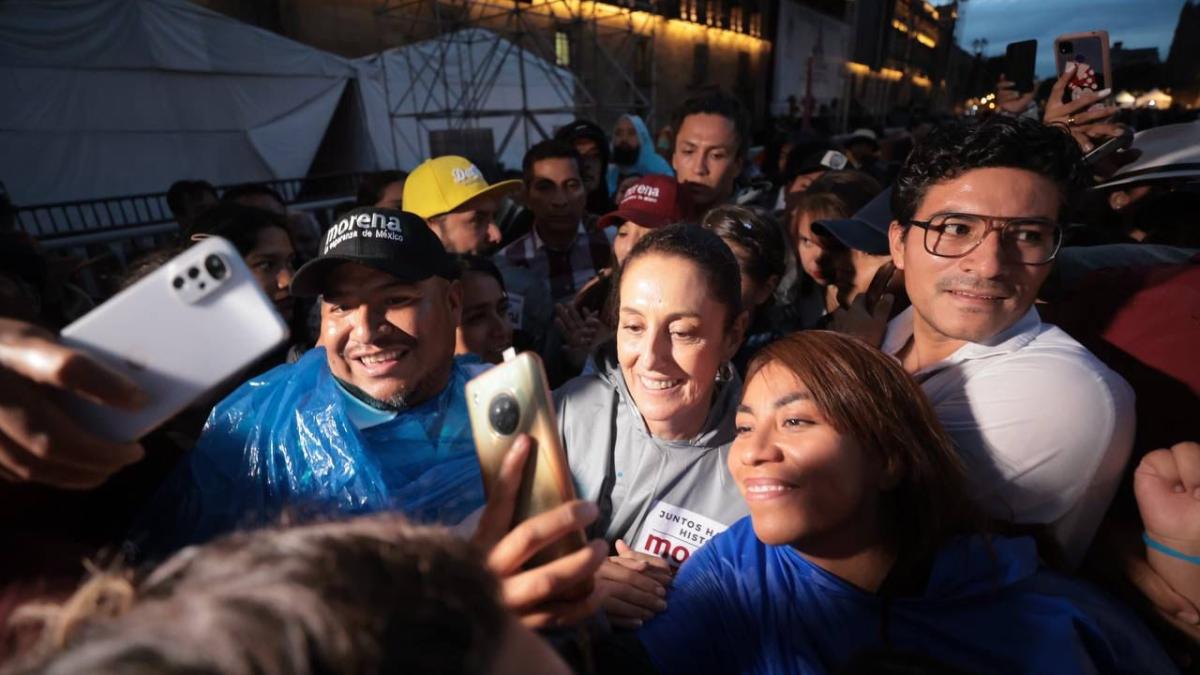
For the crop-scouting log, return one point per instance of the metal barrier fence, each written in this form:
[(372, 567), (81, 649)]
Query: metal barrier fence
[(132, 216), (104, 235)]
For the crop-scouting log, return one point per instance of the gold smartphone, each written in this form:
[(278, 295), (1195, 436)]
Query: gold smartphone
[(511, 399)]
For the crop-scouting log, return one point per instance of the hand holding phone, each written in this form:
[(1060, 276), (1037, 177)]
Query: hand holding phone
[(39, 443), (1084, 59), (178, 333), (1019, 60), (508, 401), (557, 593)]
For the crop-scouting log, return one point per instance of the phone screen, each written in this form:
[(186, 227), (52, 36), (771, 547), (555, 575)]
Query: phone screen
[(1087, 53), (1019, 64)]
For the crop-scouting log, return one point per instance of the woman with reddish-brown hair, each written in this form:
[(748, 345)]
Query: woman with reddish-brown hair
[(863, 548)]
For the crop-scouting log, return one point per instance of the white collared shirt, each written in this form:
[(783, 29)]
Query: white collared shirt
[(1043, 427)]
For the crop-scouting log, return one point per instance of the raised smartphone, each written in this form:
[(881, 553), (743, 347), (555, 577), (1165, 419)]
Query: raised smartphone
[(1089, 52), (1106, 149), (178, 333), (1019, 60), (511, 399)]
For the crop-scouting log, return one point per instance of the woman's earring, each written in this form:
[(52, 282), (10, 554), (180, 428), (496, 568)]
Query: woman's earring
[(725, 372)]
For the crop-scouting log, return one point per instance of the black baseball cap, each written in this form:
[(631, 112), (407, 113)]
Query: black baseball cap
[(866, 230), (395, 242)]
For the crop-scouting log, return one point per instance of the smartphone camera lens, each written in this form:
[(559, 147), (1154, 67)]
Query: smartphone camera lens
[(193, 272), (1065, 47), (215, 266), (504, 413), (178, 282)]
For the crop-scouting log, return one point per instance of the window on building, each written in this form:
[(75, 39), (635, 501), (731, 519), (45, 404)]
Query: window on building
[(689, 10), (735, 19), (562, 48), (699, 63)]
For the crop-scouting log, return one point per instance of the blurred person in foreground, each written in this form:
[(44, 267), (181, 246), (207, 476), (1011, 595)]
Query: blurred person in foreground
[(366, 595), (1043, 427), (647, 434), (450, 193), (863, 537)]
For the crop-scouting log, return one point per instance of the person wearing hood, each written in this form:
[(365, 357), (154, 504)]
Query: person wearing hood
[(647, 435), (633, 153), (863, 548)]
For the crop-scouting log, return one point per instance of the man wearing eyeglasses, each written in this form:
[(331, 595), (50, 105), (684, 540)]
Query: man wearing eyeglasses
[(1043, 427)]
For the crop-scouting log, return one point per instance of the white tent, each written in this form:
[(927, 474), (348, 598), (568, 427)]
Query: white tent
[(113, 97), (468, 79)]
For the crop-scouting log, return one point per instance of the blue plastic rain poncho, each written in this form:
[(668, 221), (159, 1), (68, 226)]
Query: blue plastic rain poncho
[(741, 606), (648, 161), (294, 438)]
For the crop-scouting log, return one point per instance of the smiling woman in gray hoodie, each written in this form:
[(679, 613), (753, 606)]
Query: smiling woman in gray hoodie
[(647, 435)]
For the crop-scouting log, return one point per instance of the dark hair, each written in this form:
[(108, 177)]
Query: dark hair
[(865, 394), (582, 128), (758, 234), (550, 149), (717, 102), (820, 204), (956, 147), (370, 190), (183, 192), (372, 594), (700, 247), (853, 187), (805, 158), (239, 224), (1169, 218), (469, 262), (233, 194), (143, 265)]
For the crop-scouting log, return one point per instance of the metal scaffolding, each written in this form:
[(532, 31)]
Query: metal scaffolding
[(590, 73)]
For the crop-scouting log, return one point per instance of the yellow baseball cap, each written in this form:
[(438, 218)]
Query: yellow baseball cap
[(442, 184)]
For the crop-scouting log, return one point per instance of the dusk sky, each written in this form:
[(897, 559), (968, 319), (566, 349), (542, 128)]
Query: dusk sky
[(1137, 23)]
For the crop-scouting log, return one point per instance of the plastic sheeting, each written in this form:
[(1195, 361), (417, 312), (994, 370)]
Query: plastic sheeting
[(113, 97), (284, 440), (471, 70)]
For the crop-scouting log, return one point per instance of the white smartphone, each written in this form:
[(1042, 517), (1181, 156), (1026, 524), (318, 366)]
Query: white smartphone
[(178, 333)]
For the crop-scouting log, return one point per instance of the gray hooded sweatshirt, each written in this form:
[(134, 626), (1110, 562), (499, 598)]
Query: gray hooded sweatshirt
[(665, 498)]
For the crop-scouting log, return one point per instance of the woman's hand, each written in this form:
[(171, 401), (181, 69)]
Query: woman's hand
[(557, 593), (1084, 117), (634, 586)]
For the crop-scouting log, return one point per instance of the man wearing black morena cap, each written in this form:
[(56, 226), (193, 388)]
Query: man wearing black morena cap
[(374, 418)]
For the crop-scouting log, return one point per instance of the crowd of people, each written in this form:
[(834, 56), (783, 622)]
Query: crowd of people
[(836, 411)]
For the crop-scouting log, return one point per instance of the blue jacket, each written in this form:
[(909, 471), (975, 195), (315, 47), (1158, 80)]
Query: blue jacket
[(740, 606), (648, 160), (285, 440)]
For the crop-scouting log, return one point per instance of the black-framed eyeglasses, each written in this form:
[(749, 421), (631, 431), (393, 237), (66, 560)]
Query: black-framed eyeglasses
[(1033, 241)]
